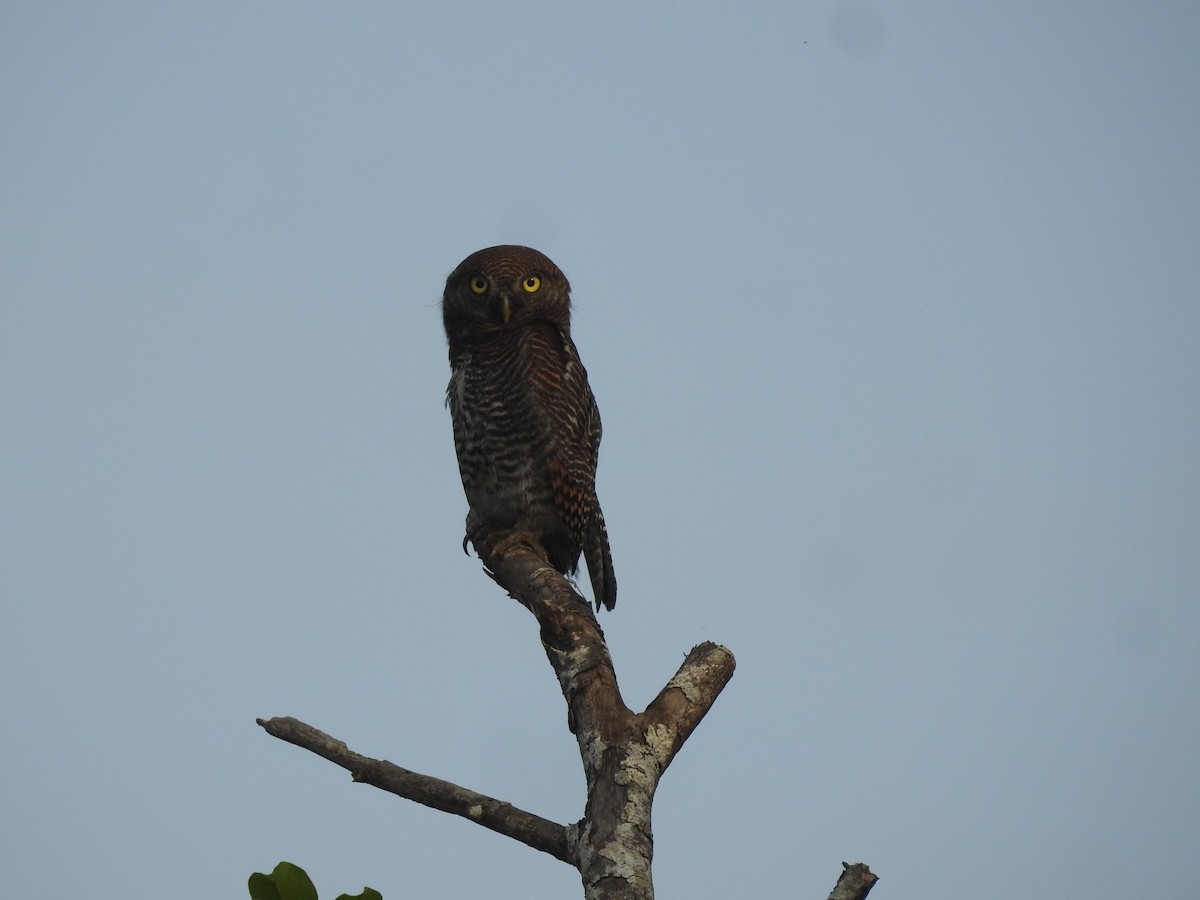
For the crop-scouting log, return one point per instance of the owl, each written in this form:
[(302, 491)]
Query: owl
[(526, 426)]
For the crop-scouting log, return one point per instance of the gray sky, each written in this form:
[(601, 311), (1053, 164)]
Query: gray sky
[(893, 315)]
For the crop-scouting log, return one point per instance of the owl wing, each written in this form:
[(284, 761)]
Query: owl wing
[(572, 450)]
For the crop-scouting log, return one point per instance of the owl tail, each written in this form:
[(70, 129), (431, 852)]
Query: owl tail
[(599, 562)]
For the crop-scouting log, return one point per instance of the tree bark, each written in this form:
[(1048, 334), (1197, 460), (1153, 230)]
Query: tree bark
[(624, 753), (854, 883), (501, 817)]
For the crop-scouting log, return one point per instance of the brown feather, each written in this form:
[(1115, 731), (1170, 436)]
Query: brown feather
[(526, 426)]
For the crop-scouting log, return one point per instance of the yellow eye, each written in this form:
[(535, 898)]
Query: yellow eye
[(479, 284), (531, 283)]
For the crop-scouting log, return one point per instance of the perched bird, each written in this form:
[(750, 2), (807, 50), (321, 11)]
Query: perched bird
[(526, 426)]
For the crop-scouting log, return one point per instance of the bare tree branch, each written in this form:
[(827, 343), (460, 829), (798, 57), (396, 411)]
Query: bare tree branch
[(624, 754), (685, 699), (854, 883), (501, 817)]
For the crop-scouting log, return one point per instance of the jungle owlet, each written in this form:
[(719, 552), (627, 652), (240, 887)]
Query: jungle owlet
[(526, 426)]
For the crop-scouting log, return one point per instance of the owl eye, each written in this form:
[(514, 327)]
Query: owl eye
[(531, 283), (479, 284)]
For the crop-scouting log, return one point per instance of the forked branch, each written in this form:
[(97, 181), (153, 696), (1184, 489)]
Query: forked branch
[(624, 754)]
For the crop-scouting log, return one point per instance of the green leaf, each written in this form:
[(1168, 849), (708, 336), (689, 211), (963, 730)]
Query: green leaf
[(293, 883), (290, 882), (262, 887), (286, 882), (367, 894)]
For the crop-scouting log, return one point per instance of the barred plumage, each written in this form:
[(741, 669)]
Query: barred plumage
[(526, 426)]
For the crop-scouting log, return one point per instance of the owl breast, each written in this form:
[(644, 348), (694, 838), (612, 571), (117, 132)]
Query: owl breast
[(501, 443)]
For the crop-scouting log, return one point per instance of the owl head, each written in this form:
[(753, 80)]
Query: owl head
[(503, 288)]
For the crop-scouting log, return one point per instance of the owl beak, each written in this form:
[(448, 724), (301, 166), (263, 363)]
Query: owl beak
[(505, 308)]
